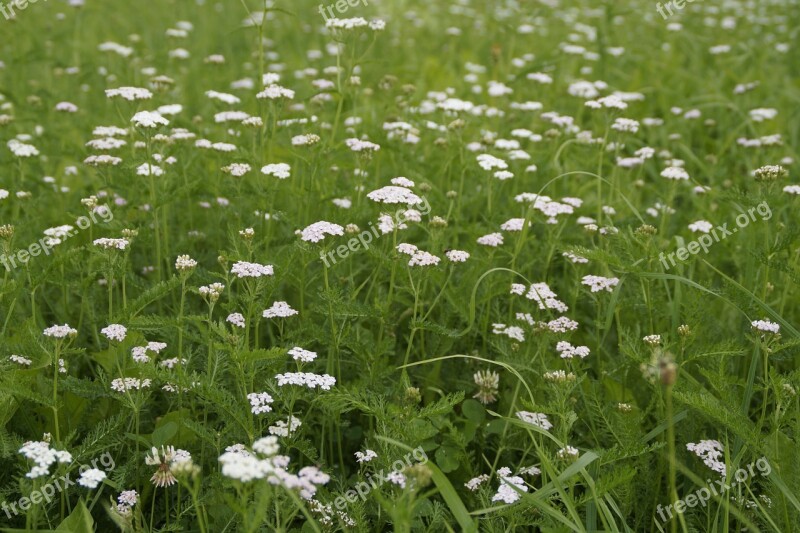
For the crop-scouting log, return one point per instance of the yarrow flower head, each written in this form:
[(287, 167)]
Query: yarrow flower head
[(60, 332), (43, 456), (536, 419), (115, 332), (237, 319), (769, 173), (299, 354), (711, 452), (149, 119), (394, 194), (259, 402), (317, 231), (365, 456), (306, 379), (599, 283), (278, 170), (243, 269), (279, 310), (184, 263), (765, 326), (91, 478)]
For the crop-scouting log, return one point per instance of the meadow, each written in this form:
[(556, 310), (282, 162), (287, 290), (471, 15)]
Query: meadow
[(399, 265)]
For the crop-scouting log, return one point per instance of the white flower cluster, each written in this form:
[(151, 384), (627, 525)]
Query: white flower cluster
[(115, 332), (279, 170), (599, 283), (299, 354), (492, 239), (423, 258), (536, 419), (211, 292), (317, 231), (393, 194), (243, 269), (21, 149), (24, 361), (110, 244), (129, 384), (279, 310), (184, 262), (358, 145), (710, 451), (365, 456), (264, 463), (457, 256), (510, 487), (129, 93), (237, 319), (568, 351), (283, 429), (44, 456), (149, 119), (60, 332), (307, 379), (260, 402), (139, 353), (542, 294), (512, 332), (273, 92), (766, 326), (91, 478)]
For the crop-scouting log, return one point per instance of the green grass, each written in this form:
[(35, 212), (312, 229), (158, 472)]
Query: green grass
[(404, 343)]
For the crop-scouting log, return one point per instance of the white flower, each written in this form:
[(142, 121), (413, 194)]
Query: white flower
[(493, 239), (489, 162), (20, 360), (674, 173), (307, 379), (237, 169), (510, 487), (279, 310), (273, 92), (243, 269), (366, 456), (599, 283), (702, 226), (223, 97), (91, 478), (568, 351), (357, 145), (317, 231), (20, 149), (129, 93), (184, 263), (279, 170), (146, 169), (536, 419), (711, 452), (299, 354), (115, 332), (237, 319), (457, 256), (59, 332), (44, 456), (149, 119), (422, 258), (259, 402), (766, 326), (128, 384), (66, 107), (283, 429), (393, 194)]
